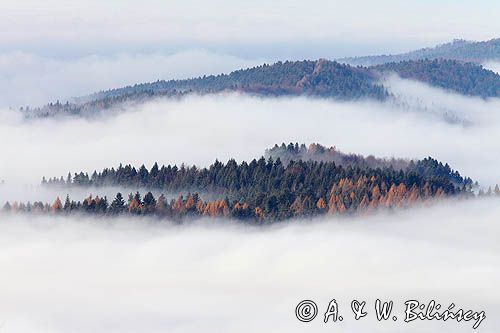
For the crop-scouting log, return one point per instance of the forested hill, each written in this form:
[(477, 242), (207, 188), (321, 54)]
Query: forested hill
[(268, 189), (466, 79), (427, 167), (460, 50), (320, 78)]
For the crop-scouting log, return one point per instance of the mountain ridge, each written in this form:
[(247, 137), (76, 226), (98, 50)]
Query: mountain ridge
[(459, 49), (314, 78), (311, 183)]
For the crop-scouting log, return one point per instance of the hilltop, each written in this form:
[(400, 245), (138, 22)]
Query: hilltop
[(460, 50), (320, 79)]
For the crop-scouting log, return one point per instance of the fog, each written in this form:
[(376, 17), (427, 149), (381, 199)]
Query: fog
[(62, 274), (84, 275), (36, 192), (197, 130), (29, 79)]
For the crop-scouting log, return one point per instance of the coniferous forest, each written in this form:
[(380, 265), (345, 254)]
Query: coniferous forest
[(321, 78), (294, 181)]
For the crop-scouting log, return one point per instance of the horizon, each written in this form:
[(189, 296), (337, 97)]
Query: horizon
[(57, 49)]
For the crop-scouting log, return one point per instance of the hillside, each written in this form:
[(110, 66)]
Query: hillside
[(321, 78), (463, 78), (317, 78), (460, 50), (269, 189), (427, 168)]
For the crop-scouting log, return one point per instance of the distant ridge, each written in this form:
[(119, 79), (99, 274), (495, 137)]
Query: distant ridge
[(320, 78), (464, 78), (459, 49)]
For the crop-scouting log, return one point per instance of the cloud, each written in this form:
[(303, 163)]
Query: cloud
[(30, 79), (420, 97), (197, 130), (81, 275), (63, 274)]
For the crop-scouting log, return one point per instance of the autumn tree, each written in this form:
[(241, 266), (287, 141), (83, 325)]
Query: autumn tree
[(56, 206)]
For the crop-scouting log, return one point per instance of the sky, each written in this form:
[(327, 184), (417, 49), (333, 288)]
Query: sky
[(46, 46), (104, 25)]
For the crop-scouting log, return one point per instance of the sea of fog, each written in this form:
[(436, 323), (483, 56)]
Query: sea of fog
[(85, 275), (93, 275), (197, 130)]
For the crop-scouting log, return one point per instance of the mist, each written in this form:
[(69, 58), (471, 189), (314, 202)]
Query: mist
[(81, 274), (199, 129), (47, 194), (29, 79), (63, 274)]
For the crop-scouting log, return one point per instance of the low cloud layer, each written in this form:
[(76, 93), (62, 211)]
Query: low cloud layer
[(197, 130), (62, 274), (34, 80), (80, 275)]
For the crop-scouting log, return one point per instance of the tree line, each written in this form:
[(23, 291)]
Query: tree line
[(320, 78), (344, 198), (463, 78), (268, 189), (427, 167)]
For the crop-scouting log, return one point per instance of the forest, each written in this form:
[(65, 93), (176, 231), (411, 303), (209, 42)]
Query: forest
[(315, 180), (427, 167), (459, 49), (466, 79), (321, 78), (344, 198)]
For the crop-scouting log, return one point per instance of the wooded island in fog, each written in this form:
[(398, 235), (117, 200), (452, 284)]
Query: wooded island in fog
[(314, 180)]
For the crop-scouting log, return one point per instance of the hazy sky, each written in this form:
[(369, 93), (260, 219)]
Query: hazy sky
[(258, 26), (57, 49)]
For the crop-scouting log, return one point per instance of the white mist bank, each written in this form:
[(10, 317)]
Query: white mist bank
[(85, 275), (27, 79), (47, 194), (197, 130)]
